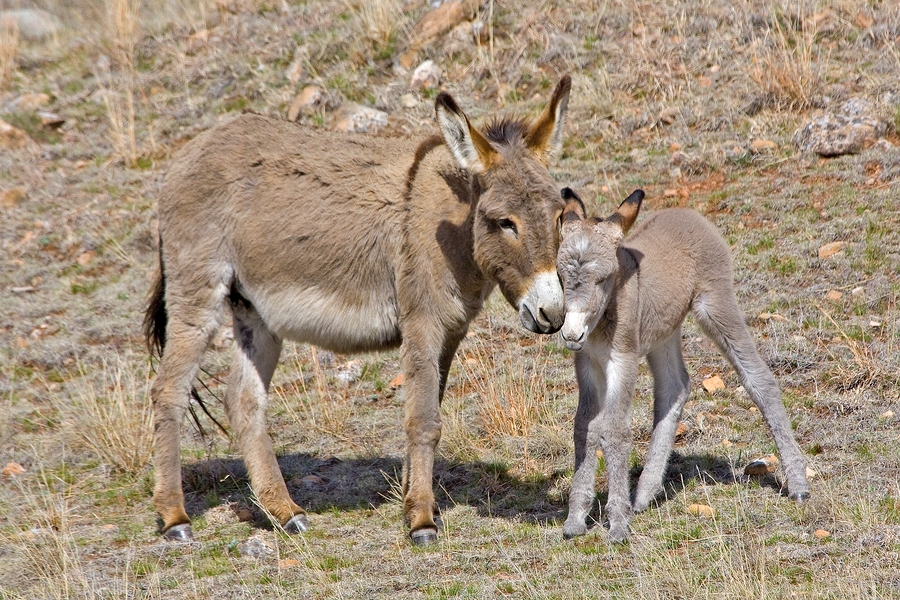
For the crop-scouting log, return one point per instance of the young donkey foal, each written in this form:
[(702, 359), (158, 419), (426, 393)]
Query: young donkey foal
[(627, 298), (352, 244)]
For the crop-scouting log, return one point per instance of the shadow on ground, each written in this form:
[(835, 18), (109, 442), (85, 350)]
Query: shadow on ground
[(327, 484)]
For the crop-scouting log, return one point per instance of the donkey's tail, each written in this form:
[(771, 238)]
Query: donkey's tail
[(156, 317)]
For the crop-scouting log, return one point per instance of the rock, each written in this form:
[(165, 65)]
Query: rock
[(255, 547), (12, 138), (426, 76), (811, 473), (834, 295), (727, 443), (863, 20), (243, 513), (480, 32), (850, 130), (325, 358), (349, 371), (28, 103), (887, 414), (713, 383), (831, 249), (355, 118), (762, 466), (312, 481), (409, 101), (49, 119), (288, 563), (674, 147), (701, 510), (821, 534), (763, 147), (32, 24), (85, 257), (109, 529), (397, 381), (12, 469), (442, 19), (668, 115), (767, 316), (13, 197), (681, 430), (310, 98)]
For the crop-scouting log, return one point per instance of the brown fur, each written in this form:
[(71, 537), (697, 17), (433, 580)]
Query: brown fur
[(353, 244), (625, 299)]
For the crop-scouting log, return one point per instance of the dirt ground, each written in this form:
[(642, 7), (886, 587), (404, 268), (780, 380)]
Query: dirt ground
[(696, 102)]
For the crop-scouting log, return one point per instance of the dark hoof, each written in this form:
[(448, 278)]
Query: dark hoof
[(568, 535), (423, 537), (179, 533), (439, 522), (800, 497), (297, 524)]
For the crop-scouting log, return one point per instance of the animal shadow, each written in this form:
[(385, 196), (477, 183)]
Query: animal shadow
[(326, 484)]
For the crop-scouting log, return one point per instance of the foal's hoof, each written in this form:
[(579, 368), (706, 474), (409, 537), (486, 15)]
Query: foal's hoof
[(800, 497), (297, 524), (179, 533), (423, 537)]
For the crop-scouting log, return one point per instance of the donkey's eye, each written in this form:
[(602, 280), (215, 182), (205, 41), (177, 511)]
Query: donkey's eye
[(508, 226)]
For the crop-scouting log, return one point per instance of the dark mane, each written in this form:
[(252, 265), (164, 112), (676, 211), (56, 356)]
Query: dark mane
[(507, 130)]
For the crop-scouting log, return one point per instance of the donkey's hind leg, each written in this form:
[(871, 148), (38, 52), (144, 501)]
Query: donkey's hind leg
[(722, 320), (256, 353), (671, 387), (190, 328)]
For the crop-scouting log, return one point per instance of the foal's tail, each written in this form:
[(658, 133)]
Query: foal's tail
[(156, 317)]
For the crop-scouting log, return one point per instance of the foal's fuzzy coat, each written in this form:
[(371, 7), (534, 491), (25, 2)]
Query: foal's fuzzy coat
[(627, 298)]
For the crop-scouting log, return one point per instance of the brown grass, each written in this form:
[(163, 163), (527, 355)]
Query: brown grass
[(9, 48)]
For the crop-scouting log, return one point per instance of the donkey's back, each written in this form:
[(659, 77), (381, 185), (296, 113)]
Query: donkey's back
[(303, 225)]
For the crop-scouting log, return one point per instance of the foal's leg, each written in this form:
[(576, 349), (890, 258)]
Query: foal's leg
[(256, 352), (193, 320), (671, 387), (615, 436), (591, 391), (722, 320)]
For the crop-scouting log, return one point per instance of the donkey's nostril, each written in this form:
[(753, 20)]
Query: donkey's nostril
[(544, 315)]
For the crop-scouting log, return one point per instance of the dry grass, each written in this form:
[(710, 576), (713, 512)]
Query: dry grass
[(379, 21), (9, 48)]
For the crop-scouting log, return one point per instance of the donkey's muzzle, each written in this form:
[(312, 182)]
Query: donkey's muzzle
[(542, 310), (575, 331)]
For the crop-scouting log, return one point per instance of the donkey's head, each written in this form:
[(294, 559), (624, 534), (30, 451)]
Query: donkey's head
[(517, 210), (588, 262)]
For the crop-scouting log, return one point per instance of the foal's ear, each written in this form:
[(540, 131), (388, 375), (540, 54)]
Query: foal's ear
[(470, 149), (625, 216), (545, 137), (573, 213)]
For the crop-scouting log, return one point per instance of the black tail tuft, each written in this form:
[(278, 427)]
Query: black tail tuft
[(156, 317)]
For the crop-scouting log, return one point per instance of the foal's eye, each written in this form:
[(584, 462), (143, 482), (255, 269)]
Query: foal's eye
[(508, 226)]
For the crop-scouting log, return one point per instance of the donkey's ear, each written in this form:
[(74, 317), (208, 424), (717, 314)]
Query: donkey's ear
[(572, 214), (470, 149), (625, 216), (545, 137)]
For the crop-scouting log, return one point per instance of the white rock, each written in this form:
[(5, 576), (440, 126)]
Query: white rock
[(426, 76), (359, 119)]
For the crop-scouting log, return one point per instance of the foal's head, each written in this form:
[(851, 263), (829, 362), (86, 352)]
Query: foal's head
[(518, 207), (588, 262)]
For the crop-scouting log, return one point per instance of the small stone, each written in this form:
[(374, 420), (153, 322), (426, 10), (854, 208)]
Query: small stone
[(354, 118), (32, 24), (11, 137), (409, 101), (834, 295), (831, 249), (109, 529), (863, 20), (350, 371), (243, 513), (85, 257), (811, 473), (442, 19), (887, 414), (849, 131), (312, 481), (405, 61), (875, 324), (480, 32), (197, 40), (727, 443), (711, 384), (12, 469), (674, 147), (426, 76), (311, 97), (763, 147), (13, 197), (288, 563), (681, 430), (762, 466), (397, 381), (51, 120), (668, 115), (255, 547), (821, 534), (767, 316), (701, 510), (21, 343), (857, 291)]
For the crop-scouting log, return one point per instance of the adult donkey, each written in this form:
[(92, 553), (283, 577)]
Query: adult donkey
[(352, 244), (626, 298)]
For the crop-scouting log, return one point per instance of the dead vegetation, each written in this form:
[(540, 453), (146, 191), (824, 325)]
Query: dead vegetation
[(668, 97)]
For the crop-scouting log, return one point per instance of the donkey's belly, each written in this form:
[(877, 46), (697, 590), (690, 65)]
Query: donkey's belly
[(330, 320)]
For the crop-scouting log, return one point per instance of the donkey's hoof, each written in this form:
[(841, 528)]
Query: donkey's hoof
[(574, 531), (297, 524), (423, 537), (800, 497), (179, 533)]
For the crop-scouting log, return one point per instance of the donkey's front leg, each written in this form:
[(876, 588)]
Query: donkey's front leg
[(420, 358), (615, 437), (591, 388)]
